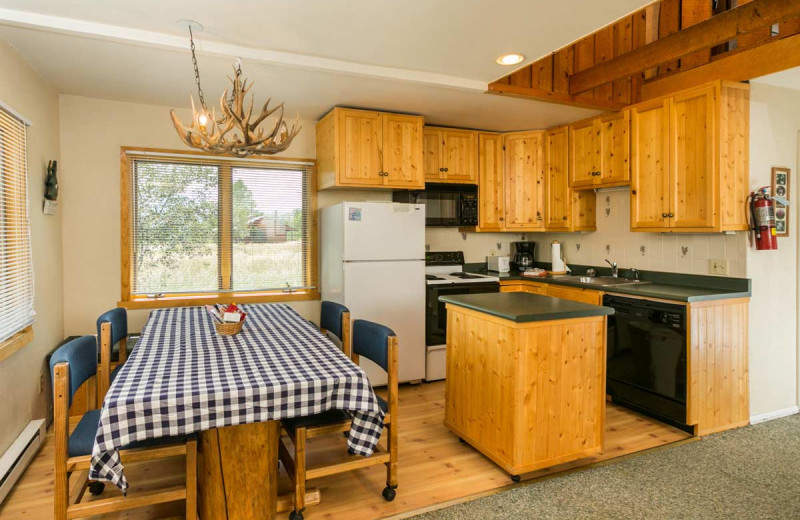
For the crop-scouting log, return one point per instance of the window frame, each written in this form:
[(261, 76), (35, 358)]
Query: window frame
[(133, 301)]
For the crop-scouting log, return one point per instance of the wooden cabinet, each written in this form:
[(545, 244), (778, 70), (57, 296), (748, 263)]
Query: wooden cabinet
[(367, 149), (690, 160), (600, 152), (524, 286), (491, 192), (524, 181), (565, 209), (577, 294), (450, 155)]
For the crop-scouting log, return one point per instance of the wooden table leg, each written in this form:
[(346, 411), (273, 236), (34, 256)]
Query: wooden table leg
[(238, 472)]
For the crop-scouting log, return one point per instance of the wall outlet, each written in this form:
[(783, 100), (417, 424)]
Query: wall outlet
[(718, 266)]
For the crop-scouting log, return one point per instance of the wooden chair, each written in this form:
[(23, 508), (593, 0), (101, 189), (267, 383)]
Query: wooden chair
[(335, 318), (378, 344), (112, 331), (70, 366)]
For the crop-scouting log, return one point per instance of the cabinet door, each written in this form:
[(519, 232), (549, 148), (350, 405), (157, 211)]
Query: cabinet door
[(458, 154), (650, 166), (491, 194), (693, 163), (402, 151), (359, 147), (615, 149), (432, 155), (559, 196), (584, 156), (524, 181)]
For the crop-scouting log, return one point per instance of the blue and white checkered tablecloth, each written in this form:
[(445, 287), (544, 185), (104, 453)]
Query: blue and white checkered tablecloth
[(182, 377)]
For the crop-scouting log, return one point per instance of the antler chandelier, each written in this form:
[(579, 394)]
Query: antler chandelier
[(235, 132)]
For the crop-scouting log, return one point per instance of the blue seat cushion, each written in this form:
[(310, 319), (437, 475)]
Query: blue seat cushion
[(321, 419), (81, 440), (115, 372), (383, 404)]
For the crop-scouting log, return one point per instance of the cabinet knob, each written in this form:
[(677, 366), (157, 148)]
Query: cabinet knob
[(563, 218), (671, 215), (447, 169), (664, 215), (441, 169), (501, 219), (633, 192)]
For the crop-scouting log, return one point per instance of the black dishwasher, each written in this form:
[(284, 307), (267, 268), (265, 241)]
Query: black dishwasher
[(647, 358)]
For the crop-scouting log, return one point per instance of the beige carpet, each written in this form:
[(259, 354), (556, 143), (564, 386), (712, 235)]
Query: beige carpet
[(749, 473)]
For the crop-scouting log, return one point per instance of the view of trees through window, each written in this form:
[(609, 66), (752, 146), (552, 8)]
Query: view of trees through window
[(179, 230)]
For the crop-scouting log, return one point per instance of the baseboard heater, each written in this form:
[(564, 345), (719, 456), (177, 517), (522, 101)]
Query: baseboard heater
[(19, 455)]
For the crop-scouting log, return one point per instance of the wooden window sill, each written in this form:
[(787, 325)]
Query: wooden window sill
[(192, 300), (16, 342)]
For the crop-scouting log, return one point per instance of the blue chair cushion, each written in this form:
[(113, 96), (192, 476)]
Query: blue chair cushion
[(81, 355), (331, 318), (382, 403), (115, 372), (119, 324), (321, 419), (81, 440), (370, 340)]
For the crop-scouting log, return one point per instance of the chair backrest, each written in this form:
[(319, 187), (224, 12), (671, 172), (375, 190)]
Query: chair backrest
[(371, 340), (330, 318), (118, 318), (81, 355)]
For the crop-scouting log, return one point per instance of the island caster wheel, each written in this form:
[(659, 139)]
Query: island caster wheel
[(96, 488), (389, 493), (296, 515), (515, 478)]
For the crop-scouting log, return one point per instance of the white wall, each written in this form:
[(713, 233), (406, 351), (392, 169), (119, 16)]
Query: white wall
[(20, 400), (680, 253), (92, 132), (774, 125)]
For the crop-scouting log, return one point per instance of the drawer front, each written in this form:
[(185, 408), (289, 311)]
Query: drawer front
[(577, 295)]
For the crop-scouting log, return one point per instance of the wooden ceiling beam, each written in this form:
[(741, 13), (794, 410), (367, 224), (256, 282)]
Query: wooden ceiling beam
[(775, 56), (549, 96), (716, 30)]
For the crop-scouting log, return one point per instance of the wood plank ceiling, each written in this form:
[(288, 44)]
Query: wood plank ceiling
[(667, 46)]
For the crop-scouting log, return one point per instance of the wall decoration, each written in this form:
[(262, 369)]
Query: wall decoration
[(780, 187), (51, 189)]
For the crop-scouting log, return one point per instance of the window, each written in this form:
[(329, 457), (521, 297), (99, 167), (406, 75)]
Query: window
[(16, 267), (199, 228)]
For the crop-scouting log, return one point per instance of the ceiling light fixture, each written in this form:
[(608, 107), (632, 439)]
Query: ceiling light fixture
[(510, 59), (210, 133)]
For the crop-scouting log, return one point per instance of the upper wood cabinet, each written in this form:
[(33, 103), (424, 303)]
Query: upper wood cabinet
[(600, 152), (450, 155), (367, 149), (524, 181), (566, 209), (690, 160), (491, 191)]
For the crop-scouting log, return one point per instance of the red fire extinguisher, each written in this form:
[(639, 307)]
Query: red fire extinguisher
[(762, 215)]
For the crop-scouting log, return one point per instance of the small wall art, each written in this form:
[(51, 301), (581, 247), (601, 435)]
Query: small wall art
[(780, 187)]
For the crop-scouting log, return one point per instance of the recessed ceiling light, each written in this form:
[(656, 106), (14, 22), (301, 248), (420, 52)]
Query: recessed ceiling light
[(510, 59)]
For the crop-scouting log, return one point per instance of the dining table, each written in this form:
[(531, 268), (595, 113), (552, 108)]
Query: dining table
[(183, 378)]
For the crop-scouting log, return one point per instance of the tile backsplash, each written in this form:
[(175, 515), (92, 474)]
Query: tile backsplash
[(671, 252)]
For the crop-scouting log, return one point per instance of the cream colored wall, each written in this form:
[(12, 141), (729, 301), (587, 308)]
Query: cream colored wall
[(774, 124), (20, 400), (92, 132), (680, 253)]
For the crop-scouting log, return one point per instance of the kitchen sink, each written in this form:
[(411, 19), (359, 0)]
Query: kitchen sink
[(599, 281)]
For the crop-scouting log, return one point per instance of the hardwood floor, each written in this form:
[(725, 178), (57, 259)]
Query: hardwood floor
[(434, 467)]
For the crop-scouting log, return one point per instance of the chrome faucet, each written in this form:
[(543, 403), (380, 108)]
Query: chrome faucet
[(614, 268)]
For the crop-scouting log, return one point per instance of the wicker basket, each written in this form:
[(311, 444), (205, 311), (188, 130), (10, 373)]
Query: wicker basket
[(228, 329)]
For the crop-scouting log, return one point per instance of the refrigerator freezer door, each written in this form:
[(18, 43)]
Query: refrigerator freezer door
[(392, 294), (383, 231)]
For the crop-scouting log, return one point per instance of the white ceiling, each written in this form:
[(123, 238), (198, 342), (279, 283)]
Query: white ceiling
[(420, 56), (789, 78)]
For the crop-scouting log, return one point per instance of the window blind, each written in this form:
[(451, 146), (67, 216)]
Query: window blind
[(203, 225), (16, 266)]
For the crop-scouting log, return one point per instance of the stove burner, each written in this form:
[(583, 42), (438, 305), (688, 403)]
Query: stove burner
[(432, 277), (465, 276)]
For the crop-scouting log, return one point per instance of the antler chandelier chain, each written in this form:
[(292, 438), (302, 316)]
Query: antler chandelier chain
[(233, 133)]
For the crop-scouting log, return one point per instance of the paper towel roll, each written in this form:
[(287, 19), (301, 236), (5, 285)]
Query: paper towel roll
[(556, 260)]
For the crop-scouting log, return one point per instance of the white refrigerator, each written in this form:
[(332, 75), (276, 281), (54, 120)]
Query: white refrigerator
[(373, 262)]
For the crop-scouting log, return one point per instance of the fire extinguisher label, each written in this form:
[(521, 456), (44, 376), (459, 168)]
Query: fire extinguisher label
[(774, 232), (765, 215)]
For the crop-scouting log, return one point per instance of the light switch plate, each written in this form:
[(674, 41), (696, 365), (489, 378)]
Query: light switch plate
[(718, 267)]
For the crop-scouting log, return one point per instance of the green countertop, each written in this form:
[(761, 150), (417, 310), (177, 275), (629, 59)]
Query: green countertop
[(525, 307)]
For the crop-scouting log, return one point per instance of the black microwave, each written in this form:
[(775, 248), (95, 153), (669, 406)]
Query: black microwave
[(446, 205)]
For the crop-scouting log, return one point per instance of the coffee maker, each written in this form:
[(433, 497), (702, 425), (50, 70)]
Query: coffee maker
[(524, 255)]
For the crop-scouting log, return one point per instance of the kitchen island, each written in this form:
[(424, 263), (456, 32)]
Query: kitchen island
[(526, 377)]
